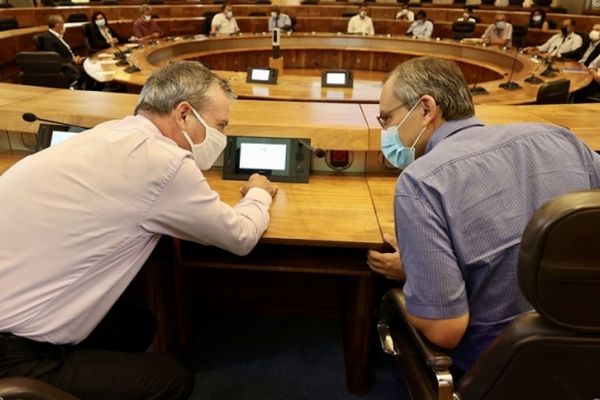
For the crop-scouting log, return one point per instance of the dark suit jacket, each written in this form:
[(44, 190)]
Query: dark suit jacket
[(95, 38), (579, 52), (50, 42)]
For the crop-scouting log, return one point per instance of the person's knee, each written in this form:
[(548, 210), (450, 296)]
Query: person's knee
[(180, 381)]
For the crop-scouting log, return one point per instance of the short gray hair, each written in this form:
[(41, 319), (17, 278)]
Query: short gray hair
[(144, 8), (53, 20), (177, 82), (438, 78)]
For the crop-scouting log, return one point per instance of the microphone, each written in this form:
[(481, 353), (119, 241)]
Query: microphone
[(534, 79), (31, 117), (276, 42), (550, 70), (131, 68), (477, 89), (510, 84), (319, 152)]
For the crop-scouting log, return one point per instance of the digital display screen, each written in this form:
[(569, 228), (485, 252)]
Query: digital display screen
[(260, 75), (60, 136), (263, 156), (336, 78)]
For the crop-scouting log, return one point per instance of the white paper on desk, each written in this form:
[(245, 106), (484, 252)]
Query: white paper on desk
[(104, 55), (108, 62)]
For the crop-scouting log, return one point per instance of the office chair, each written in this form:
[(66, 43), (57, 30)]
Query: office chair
[(6, 5), (208, 17), (519, 36), (257, 14), (558, 10), (462, 29), (518, 3), (43, 68), (77, 17), (542, 3), (550, 353), (20, 388), (7, 23), (554, 92), (38, 39)]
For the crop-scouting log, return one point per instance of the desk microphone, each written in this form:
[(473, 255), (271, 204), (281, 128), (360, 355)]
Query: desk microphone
[(478, 89), (131, 68), (510, 84), (550, 71), (534, 79), (30, 117), (121, 56), (319, 152)]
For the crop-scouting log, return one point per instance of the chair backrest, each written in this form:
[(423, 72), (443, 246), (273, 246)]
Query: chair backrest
[(542, 3), (38, 39), (41, 68), (208, 17), (77, 17), (516, 2), (257, 14), (552, 353), (462, 29), (554, 92), (558, 10), (519, 35), (6, 5), (109, 2), (7, 23)]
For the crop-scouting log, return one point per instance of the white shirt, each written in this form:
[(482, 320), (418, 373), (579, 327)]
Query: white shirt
[(409, 16), (595, 64), (421, 29), (79, 220), (364, 25), (589, 50), (224, 25), (556, 44)]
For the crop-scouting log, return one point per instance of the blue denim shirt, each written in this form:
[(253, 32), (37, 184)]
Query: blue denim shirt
[(460, 211)]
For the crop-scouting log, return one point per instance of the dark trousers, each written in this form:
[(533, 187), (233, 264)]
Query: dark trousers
[(109, 364)]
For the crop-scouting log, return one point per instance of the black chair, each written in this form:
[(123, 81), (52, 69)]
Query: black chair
[(488, 2), (20, 388), (519, 36), (462, 29), (262, 2), (554, 92), (49, 3), (542, 3), (208, 17), (348, 14), (109, 2), (66, 3), (558, 10), (77, 17), (38, 40), (516, 3), (6, 5), (548, 354), (308, 2), (7, 23), (257, 14), (43, 68)]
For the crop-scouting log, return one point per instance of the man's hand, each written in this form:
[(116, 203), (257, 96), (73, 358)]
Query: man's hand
[(78, 59), (387, 264), (259, 181), (156, 35)]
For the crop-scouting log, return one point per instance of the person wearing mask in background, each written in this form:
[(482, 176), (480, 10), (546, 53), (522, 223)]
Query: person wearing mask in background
[(537, 20), (100, 35), (590, 49), (116, 189), (405, 14), (500, 32), (468, 16), (361, 23), (462, 201), (224, 23), (422, 28), (565, 41), (279, 20), (53, 40), (145, 27)]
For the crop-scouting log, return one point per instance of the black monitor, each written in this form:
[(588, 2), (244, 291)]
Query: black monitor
[(337, 78), (51, 135), (281, 159), (261, 75)]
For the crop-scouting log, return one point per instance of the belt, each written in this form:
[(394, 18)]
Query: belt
[(11, 342)]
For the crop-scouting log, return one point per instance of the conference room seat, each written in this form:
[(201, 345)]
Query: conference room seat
[(6, 5), (519, 35), (554, 92), (7, 23), (462, 30), (38, 40), (20, 388), (550, 353), (43, 68), (77, 17)]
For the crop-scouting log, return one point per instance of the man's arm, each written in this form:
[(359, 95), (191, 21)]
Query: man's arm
[(445, 333)]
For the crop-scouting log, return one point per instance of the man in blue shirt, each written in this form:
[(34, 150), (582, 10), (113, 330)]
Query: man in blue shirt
[(461, 207)]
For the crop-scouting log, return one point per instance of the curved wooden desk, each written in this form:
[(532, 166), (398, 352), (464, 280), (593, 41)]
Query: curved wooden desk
[(488, 66)]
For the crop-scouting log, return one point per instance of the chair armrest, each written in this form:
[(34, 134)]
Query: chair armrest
[(21, 388)]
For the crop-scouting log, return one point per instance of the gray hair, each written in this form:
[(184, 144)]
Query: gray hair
[(144, 8), (438, 78), (177, 82), (53, 20)]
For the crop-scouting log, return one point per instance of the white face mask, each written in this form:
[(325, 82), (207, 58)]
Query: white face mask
[(206, 153), (147, 18), (229, 14), (362, 14), (537, 18), (594, 36), (273, 14), (101, 23)]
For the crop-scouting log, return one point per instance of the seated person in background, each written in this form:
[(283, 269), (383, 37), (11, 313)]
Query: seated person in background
[(361, 23), (593, 89), (500, 32), (145, 27), (100, 35), (589, 51), (537, 20), (224, 23), (279, 20), (461, 207), (422, 28), (468, 16), (565, 41), (53, 40), (405, 14)]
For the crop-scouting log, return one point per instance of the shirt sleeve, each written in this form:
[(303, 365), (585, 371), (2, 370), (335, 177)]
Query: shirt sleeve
[(410, 28), (486, 34), (435, 287), (187, 208), (546, 46), (428, 29)]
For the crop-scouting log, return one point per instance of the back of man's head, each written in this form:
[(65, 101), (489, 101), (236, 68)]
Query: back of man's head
[(177, 82), (438, 78), (145, 8), (53, 20)]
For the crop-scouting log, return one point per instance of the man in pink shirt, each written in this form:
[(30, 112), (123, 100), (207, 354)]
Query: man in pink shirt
[(145, 27), (80, 219)]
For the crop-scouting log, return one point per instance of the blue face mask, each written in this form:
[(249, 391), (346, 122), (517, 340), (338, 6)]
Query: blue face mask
[(391, 145)]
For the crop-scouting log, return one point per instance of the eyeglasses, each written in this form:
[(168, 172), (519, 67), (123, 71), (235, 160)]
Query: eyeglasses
[(384, 119)]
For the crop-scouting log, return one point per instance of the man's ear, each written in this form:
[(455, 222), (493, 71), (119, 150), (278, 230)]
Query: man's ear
[(181, 112), (431, 109)]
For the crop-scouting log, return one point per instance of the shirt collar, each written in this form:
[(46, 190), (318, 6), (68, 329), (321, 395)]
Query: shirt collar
[(449, 128), (58, 35)]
